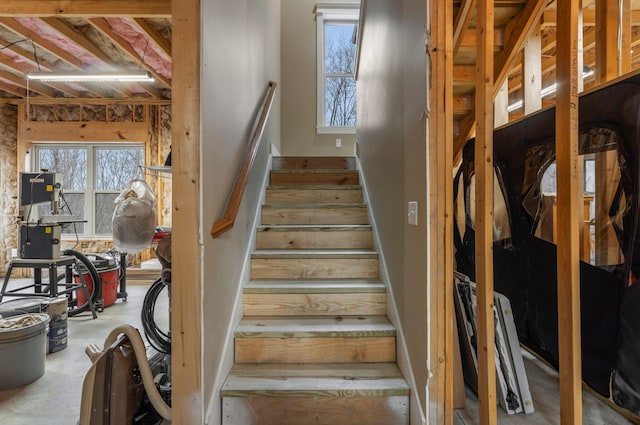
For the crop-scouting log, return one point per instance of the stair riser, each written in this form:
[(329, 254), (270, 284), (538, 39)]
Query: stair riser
[(315, 350), (307, 196), (314, 268), (346, 178), (314, 304), (328, 216), (320, 410), (318, 162), (360, 239)]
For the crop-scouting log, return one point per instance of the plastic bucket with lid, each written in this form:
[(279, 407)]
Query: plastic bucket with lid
[(23, 346), (22, 306)]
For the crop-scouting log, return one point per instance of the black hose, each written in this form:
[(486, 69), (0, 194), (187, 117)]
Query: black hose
[(96, 294), (158, 339)]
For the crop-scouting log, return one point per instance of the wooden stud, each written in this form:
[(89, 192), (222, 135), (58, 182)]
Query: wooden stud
[(500, 105), (609, 62), (484, 216), (82, 8), (568, 210), (532, 73), (186, 358), (440, 152)]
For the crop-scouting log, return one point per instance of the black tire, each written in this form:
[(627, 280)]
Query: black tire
[(95, 294)]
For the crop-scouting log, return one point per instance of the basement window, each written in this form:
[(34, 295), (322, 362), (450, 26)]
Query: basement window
[(336, 52), (92, 177)]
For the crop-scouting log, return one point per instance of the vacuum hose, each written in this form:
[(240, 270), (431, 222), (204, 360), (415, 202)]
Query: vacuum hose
[(143, 365)]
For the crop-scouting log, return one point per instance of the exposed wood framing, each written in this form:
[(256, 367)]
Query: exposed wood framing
[(72, 34), (462, 22), (500, 105), (35, 131), (81, 8), (440, 151), (515, 35), (155, 35), (610, 63), (532, 75), (103, 26), (483, 154), (186, 314), (568, 210)]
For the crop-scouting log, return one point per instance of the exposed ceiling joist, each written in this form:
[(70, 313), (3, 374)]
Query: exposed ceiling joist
[(155, 35), (103, 26), (81, 8), (461, 23)]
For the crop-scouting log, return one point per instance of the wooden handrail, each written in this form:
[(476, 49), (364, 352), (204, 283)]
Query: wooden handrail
[(231, 211)]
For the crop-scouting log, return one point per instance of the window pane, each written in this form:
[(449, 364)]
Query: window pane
[(104, 212), (339, 51), (74, 206), (116, 167), (70, 162), (340, 101)]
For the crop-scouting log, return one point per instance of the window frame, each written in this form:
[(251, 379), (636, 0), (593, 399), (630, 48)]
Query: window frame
[(341, 13), (91, 191)]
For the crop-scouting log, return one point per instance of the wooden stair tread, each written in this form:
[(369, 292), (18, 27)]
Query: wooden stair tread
[(314, 171), (304, 162), (323, 206), (323, 380), (314, 327), (313, 227), (313, 287), (314, 253), (316, 187)]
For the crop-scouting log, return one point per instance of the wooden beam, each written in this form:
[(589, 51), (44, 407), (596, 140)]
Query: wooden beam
[(16, 91), (464, 75), (46, 44), (36, 131), (501, 105), (187, 344), (588, 17), (462, 23), (516, 33), (462, 105), (568, 212), (440, 186), (469, 38), (532, 73), (103, 26), (68, 31), (34, 86), (43, 42), (154, 35), (483, 154), (81, 8)]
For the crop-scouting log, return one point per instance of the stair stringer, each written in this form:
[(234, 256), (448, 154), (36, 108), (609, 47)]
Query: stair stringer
[(214, 406), (417, 414)]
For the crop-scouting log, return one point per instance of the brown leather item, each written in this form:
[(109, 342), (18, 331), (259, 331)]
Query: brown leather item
[(117, 390)]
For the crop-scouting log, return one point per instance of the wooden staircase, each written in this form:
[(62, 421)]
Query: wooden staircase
[(315, 345)]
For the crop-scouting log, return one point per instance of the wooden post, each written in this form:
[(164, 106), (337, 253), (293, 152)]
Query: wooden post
[(610, 62), (532, 73), (501, 105), (484, 215), (187, 399), (440, 151), (568, 211)]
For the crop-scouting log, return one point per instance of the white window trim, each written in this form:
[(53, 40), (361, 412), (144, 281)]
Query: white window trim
[(329, 12), (90, 191)]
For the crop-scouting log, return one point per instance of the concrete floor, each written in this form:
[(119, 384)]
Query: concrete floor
[(54, 399)]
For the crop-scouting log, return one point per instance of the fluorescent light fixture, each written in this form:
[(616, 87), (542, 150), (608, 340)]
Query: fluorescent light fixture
[(80, 77), (547, 91)]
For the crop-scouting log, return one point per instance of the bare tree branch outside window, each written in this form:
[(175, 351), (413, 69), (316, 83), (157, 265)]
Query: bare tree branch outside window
[(340, 84)]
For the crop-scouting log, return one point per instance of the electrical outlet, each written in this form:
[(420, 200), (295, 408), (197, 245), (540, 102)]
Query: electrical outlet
[(338, 143)]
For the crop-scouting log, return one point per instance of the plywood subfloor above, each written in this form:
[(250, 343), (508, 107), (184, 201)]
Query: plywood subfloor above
[(543, 382)]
